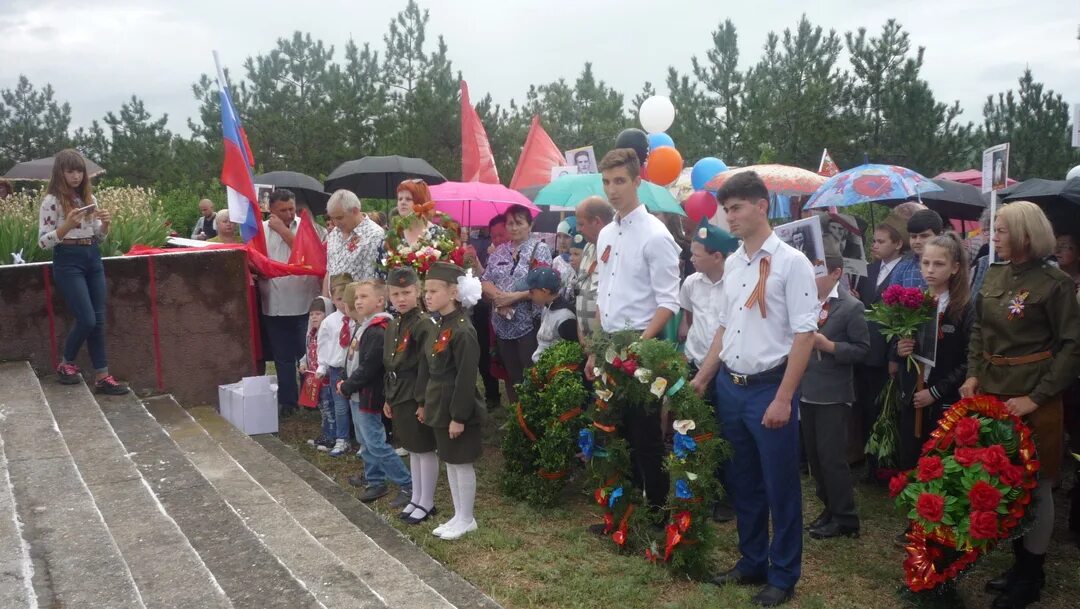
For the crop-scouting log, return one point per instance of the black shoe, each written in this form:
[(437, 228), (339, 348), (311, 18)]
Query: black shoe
[(834, 529), (415, 519), (493, 403), (734, 576), (1001, 582), (68, 374), (407, 511), (285, 412), (771, 596), (373, 492), (823, 519), (403, 498), (722, 512), (109, 386), (599, 529)]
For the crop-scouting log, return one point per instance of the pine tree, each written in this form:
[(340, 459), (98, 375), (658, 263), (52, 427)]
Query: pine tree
[(1035, 123), (32, 124)]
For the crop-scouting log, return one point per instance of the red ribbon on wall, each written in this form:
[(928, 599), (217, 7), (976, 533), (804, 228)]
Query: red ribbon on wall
[(158, 373), (51, 315)]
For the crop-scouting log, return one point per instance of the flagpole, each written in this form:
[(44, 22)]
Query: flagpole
[(220, 72)]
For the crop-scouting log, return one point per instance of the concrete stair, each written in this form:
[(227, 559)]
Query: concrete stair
[(113, 502)]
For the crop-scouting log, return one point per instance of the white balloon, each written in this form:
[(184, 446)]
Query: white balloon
[(656, 114), (1073, 173)]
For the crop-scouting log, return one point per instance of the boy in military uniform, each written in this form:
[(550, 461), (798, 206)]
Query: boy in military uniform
[(446, 387), (402, 352)]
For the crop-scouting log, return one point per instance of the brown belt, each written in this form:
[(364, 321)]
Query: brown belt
[(87, 241), (1001, 360)]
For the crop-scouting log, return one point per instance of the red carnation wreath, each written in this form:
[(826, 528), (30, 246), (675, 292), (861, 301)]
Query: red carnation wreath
[(969, 491)]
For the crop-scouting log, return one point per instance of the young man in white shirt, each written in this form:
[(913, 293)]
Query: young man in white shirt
[(638, 289), (767, 324)]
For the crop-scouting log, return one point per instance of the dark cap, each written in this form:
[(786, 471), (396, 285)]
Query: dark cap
[(577, 242), (715, 239), (543, 278), (402, 277), (445, 271)]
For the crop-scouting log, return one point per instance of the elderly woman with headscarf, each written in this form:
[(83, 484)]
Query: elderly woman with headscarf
[(515, 318)]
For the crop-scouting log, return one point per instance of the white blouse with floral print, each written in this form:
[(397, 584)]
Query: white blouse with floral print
[(52, 216)]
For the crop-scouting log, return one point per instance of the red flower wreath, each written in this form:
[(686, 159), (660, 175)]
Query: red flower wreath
[(969, 491)]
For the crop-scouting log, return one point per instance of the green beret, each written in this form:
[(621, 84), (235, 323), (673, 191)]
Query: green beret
[(715, 239), (445, 271), (402, 277)]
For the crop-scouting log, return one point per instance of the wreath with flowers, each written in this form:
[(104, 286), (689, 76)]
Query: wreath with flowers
[(540, 444), (434, 245), (969, 491), (635, 373)]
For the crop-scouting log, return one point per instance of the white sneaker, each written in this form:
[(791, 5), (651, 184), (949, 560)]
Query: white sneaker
[(340, 448), (401, 452), (459, 531)]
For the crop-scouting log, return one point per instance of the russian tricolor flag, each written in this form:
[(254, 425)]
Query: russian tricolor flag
[(236, 172)]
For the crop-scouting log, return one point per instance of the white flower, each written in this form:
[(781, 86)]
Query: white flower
[(610, 355), (691, 476), (604, 394), (684, 426), (658, 387), (643, 375), (596, 371)]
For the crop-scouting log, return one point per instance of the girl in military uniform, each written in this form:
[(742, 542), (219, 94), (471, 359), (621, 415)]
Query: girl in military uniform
[(402, 352), (446, 387), (1025, 349)]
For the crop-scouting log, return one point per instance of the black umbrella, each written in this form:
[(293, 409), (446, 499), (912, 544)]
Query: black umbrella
[(377, 177), (956, 200), (41, 169), (1058, 198), (307, 189)]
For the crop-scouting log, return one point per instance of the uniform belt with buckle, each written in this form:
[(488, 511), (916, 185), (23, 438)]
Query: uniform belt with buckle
[(86, 241), (391, 375), (1020, 360), (771, 376)]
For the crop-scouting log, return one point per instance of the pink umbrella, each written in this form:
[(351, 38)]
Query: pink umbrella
[(972, 177), (476, 203)]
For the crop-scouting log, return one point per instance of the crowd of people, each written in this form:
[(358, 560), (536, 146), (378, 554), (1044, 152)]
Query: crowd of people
[(786, 358)]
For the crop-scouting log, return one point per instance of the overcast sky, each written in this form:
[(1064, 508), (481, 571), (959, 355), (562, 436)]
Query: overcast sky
[(97, 54)]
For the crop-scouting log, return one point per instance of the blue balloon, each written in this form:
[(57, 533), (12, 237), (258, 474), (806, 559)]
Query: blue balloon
[(657, 140), (705, 170)]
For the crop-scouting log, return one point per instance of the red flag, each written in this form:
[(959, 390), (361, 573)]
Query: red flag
[(477, 162), (538, 156), (827, 167), (308, 251), (263, 266)]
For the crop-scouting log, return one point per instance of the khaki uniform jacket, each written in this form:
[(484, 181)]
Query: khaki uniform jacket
[(402, 352), (446, 376)]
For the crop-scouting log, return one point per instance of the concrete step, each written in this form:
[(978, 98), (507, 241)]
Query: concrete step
[(447, 584), (375, 563), (321, 571), (16, 570), (251, 574), (142, 529), (76, 562)]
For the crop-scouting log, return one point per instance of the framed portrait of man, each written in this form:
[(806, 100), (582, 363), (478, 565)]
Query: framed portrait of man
[(848, 232), (264, 191), (805, 235), (563, 170), (582, 158)]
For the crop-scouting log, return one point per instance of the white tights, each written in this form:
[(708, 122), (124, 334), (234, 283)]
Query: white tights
[(462, 480), (425, 474)]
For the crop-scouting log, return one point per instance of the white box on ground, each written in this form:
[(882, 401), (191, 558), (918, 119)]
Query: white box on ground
[(251, 404)]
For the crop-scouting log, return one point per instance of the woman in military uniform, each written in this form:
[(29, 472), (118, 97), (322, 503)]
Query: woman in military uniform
[(402, 353), (446, 386), (1025, 348)]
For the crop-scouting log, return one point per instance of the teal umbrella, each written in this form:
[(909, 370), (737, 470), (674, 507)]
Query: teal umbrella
[(570, 190)]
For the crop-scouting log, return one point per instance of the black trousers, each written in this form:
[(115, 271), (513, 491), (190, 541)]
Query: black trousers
[(516, 356), (482, 322), (825, 438), (286, 334), (642, 430)]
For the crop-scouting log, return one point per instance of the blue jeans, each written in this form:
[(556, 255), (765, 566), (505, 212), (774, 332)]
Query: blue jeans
[(763, 479), (80, 278), (287, 334), (380, 460), (340, 428), (326, 409)]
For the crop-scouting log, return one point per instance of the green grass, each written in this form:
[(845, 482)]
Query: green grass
[(528, 558)]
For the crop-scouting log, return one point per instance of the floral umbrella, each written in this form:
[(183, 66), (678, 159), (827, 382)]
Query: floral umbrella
[(779, 179), (867, 183)]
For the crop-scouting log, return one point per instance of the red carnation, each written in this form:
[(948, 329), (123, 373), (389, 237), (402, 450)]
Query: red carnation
[(930, 507), (984, 496), (897, 484), (984, 525), (930, 468), (994, 459), (967, 431), (630, 366), (617, 363), (1013, 475), (967, 456)]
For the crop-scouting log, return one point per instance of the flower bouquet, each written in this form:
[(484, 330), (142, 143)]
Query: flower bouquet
[(902, 312), (884, 437), (969, 491)]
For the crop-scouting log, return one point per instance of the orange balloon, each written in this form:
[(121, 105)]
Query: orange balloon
[(665, 163)]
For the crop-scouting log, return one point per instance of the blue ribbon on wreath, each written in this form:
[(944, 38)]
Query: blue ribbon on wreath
[(684, 445), (682, 489), (615, 495), (587, 443)]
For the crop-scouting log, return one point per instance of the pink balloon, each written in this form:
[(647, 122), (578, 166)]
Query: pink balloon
[(701, 204)]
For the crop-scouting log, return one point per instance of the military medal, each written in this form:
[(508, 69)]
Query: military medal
[(351, 244), (1016, 307)]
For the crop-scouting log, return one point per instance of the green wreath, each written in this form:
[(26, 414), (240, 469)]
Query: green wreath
[(634, 373), (540, 444)]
